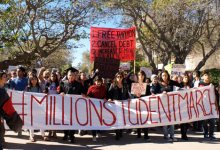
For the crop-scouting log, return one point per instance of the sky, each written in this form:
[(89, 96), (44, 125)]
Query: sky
[(77, 52)]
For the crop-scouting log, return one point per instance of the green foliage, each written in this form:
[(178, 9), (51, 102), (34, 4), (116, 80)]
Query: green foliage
[(64, 68), (215, 75)]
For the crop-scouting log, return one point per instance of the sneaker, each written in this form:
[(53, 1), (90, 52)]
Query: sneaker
[(19, 133), (46, 138), (117, 137), (206, 136), (185, 138), (65, 137), (166, 137), (174, 139), (212, 138), (55, 135), (72, 140), (32, 139), (99, 135), (169, 140), (147, 139), (94, 139)]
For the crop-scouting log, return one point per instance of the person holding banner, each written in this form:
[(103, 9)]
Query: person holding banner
[(19, 83), (208, 130), (51, 88), (141, 80), (167, 85), (97, 91), (184, 127), (197, 125), (34, 86), (118, 91), (71, 86)]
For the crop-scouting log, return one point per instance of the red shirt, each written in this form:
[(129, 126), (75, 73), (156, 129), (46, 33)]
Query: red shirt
[(95, 91)]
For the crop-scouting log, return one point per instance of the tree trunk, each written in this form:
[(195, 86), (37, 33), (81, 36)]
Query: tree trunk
[(203, 61), (180, 60)]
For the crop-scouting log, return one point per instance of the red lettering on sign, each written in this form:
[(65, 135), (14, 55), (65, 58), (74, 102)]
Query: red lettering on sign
[(113, 115), (98, 114), (87, 114)]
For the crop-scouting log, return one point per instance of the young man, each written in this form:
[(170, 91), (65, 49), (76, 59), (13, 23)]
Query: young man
[(71, 86), (19, 83), (208, 130)]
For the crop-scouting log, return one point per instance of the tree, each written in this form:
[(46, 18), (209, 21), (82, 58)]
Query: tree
[(210, 42), (37, 28), (165, 27), (85, 66), (57, 59)]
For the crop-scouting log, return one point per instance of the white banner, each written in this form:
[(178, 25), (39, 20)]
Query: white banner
[(40, 111)]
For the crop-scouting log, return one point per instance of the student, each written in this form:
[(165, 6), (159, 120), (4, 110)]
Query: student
[(118, 91), (51, 88), (97, 91), (142, 79), (197, 125), (167, 85), (209, 124), (155, 85), (184, 127), (71, 86), (33, 86), (43, 77), (19, 83)]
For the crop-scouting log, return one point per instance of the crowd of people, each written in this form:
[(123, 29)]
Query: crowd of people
[(94, 86)]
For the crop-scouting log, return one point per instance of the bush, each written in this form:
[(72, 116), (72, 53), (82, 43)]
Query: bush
[(215, 76)]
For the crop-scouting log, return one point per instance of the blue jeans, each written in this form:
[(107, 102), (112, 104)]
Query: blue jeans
[(168, 130)]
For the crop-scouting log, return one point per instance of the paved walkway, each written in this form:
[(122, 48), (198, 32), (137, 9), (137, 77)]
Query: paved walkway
[(107, 142)]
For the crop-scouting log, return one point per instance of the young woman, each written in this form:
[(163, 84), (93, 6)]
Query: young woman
[(167, 85), (184, 127), (118, 91), (142, 79), (97, 91), (33, 86), (51, 88)]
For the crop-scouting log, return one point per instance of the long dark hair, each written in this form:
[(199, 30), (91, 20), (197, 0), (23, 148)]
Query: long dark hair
[(143, 73), (115, 80), (160, 77), (189, 81), (2, 73), (32, 77)]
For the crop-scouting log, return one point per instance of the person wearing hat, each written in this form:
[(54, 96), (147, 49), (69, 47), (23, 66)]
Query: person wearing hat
[(97, 90), (71, 86)]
